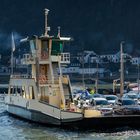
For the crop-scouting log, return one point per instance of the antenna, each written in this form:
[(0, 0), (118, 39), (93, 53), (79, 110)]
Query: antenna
[(59, 31), (122, 69), (46, 22)]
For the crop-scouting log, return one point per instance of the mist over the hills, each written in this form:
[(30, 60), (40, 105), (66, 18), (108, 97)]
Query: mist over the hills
[(98, 25)]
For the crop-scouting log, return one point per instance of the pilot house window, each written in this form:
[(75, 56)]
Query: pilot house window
[(57, 47), (44, 50)]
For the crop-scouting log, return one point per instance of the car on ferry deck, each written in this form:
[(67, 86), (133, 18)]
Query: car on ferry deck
[(131, 95), (97, 95), (111, 98), (101, 104), (126, 102)]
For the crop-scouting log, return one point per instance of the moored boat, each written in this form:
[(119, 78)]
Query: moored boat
[(46, 97)]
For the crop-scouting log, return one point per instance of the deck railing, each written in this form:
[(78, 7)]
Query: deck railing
[(65, 57), (21, 76), (29, 58), (42, 78)]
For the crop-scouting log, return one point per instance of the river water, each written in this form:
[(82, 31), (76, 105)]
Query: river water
[(16, 129)]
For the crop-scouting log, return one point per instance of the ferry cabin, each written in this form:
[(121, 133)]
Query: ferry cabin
[(45, 83)]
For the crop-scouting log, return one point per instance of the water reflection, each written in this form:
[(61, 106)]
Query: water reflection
[(15, 129)]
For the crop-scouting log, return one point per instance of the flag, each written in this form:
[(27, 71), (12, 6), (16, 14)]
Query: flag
[(13, 43)]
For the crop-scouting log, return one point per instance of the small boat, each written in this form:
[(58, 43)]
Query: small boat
[(45, 96)]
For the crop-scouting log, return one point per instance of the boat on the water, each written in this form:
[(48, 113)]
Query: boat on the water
[(46, 97)]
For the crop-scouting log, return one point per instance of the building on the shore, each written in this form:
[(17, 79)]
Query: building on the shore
[(115, 58), (77, 66), (135, 60), (87, 63)]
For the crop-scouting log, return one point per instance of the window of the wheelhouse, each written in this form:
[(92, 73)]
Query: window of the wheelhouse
[(44, 49), (57, 47), (33, 47)]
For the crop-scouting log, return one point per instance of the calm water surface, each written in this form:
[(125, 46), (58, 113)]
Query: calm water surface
[(15, 129)]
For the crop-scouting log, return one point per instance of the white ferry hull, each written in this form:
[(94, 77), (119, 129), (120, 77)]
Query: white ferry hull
[(32, 115), (40, 112), (100, 123)]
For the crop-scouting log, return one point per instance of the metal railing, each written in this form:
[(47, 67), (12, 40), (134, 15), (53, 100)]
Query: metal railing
[(28, 58), (21, 76), (42, 78), (65, 57)]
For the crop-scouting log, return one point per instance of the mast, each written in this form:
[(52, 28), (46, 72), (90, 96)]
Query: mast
[(83, 75), (121, 69), (138, 78), (97, 77), (12, 51), (11, 62), (46, 22), (59, 31)]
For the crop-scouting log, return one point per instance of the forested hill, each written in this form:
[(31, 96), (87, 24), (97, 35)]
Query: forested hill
[(98, 25)]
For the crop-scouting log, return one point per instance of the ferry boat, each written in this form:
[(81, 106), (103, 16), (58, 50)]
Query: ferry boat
[(45, 96)]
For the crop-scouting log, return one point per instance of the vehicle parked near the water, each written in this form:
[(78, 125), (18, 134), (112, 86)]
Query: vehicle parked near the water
[(131, 95), (125, 102), (111, 98)]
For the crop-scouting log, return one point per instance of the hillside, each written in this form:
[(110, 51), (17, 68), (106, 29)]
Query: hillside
[(97, 25)]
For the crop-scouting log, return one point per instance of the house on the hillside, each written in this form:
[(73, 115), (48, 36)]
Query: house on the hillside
[(135, 60), (115, 58), (72, 68), (91, 68), (76, 67), (5, 69), (87, 56)]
